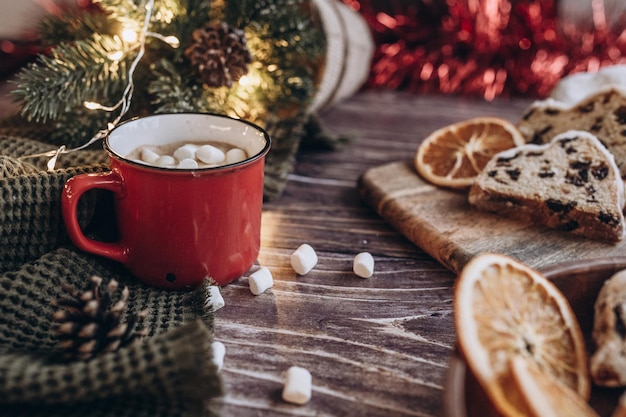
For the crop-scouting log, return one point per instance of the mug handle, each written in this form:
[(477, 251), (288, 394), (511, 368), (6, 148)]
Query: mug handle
[(74, 188)]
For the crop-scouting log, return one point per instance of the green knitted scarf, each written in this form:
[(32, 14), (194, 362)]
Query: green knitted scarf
[(169, 373)]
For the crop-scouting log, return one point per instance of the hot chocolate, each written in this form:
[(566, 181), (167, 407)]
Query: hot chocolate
[(188, 155)]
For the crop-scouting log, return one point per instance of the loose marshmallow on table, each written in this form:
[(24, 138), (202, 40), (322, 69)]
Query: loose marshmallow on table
[(297, 389), (303, 259), (219, 351), (260, 281), (215, 300), (363, 265), (210, 154)]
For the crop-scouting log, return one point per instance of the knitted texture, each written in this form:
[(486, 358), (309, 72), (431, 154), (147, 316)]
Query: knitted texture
[(23, 147), (11, 167), (169, 373), (30, 214)]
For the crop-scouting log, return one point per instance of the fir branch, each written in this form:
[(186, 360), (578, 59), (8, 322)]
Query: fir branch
[(73, 25), (131, 12), (69, 76), (273, 17), (124, 11), (196, 14), (282, 34), (296, 47), (244, 13), (171, 94)]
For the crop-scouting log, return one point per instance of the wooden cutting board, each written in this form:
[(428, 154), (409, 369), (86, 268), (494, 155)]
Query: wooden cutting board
[(443, 224)]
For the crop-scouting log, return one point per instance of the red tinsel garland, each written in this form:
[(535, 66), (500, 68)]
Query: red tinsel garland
[(488, 48), (483, 47)]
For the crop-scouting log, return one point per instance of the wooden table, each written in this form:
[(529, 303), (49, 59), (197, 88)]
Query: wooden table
[(376, 346)]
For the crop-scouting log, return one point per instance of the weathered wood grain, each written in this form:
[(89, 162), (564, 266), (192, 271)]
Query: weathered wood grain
[(375, 347)]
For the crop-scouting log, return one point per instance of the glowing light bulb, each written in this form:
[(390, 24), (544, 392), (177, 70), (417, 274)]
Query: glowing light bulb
[(91, 105), (172, 41), (129, 35), (251, 79), (244, 81), (115, 56)]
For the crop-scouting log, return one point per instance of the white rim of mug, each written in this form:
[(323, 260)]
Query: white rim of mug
[(246, 161)]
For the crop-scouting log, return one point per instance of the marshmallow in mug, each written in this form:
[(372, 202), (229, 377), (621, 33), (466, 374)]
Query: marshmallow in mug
[(189, 155)]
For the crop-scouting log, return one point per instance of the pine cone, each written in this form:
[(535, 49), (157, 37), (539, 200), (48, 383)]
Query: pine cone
[(89, 322), (219, 54)]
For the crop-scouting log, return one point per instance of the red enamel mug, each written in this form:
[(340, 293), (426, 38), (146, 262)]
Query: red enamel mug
[(178, 226)]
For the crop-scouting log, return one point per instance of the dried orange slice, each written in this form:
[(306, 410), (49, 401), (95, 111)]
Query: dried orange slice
[(544, 395), (502, 309), (454, 155)]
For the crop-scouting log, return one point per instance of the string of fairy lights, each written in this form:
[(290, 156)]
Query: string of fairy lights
[(138, 42)]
